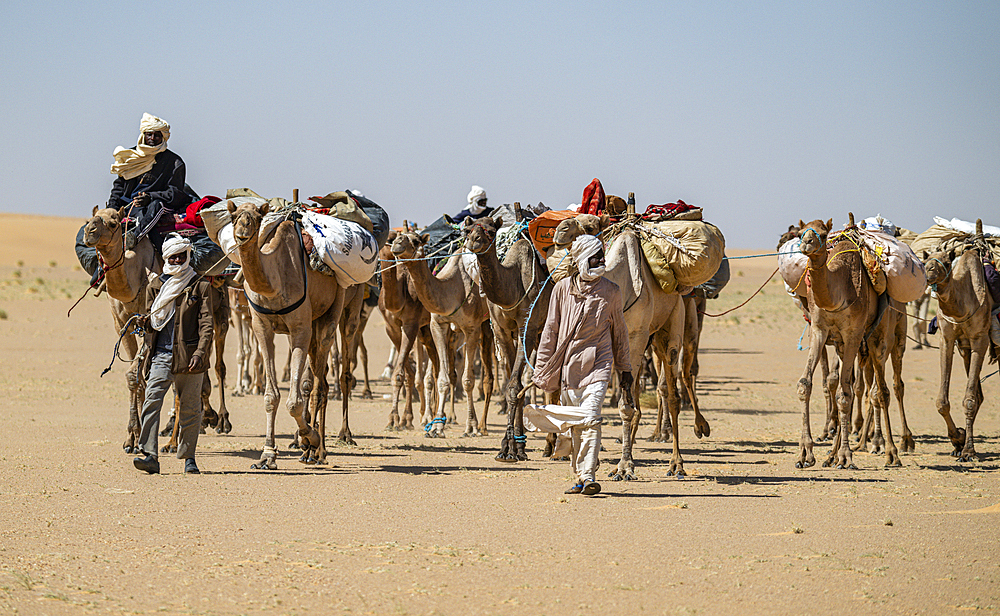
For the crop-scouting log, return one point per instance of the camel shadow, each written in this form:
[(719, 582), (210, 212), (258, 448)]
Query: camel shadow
[(449, 470), (727, 351)]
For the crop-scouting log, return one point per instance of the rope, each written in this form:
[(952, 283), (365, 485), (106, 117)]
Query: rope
[(124, 333), (436, 420), (524, 332), (748, 299), (804, 330)]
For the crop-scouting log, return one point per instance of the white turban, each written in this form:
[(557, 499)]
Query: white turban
[(131, 163), (180, 276), (477, 194), (584, 247)]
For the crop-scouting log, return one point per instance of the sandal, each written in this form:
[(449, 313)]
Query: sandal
[(591, 488), (575, 489)]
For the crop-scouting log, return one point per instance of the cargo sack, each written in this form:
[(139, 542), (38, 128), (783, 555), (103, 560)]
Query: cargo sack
[(936, 238), (691, 250), (217, 216), (792, 266), (342, 205), (443, 240), (874, 270), (712, 288), (543, 227), (346, 247), (905, 278)]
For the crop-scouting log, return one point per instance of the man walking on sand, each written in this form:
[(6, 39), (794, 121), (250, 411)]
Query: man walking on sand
[(584, 338), (177, 343)]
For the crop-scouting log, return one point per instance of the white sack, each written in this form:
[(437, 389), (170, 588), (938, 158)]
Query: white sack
[(792, 266), (957, 224), (347, 247), (904, 273)]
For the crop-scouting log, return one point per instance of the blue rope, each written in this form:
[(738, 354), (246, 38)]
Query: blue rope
[(524, 332), (521, 439), (436, 420), (803, 336), (770, 254)]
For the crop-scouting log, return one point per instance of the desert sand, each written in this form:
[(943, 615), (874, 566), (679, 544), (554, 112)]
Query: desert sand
[(401, 524)]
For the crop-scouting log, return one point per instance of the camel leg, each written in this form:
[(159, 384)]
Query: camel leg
[(869, 421), (824, 369), (469, 380), (817, 346), (286, 372), (487, 356), (224, 426), (689, 368), (830, 393), (171, 446), (506, 350), (669, 397), (296, 403), (346, 312), (440, 331), (880, 392), (630, 414), (399, 373), (265, 339), (136, 395), (907, 444), (366, 393), (210, 418), (955, 434), (841, 456), (242, 355), (973, 394)]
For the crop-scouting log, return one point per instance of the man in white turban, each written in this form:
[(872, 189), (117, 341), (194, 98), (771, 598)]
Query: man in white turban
[(175, 351), (584, 339), (149, 180), (477, 206)]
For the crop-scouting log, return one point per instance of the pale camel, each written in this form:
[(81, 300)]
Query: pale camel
[(287, 297), (126, 275), (965, 306), (845, 309), (518, 291), (406, 319), (649, 312), (453, 298)]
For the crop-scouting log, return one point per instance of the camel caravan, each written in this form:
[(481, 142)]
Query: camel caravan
[(484, 297)]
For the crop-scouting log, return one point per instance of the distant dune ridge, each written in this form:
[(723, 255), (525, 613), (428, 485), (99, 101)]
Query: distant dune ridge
[(37, 239)]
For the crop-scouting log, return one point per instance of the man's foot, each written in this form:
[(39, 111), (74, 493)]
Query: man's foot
[(576, 488), (590, 487), (150, 464), (190, 467)]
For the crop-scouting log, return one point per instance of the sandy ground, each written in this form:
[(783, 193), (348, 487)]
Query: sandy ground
[(405, 525)]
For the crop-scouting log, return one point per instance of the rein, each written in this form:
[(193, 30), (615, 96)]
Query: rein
[(305, 283)]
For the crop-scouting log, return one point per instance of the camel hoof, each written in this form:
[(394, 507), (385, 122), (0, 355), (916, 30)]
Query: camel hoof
[(968, 457), (366, 395), (128, 449), (894, 463), (168, 448), (265, 465), (908, 445), (347, 440), (307, 458)]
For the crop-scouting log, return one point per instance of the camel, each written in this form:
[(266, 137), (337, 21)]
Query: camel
[(126, 276), (287, 297), (406, 319), (249, 361), (965, 308), (453, 298), (845, 309), (518, 291), (649, 312)]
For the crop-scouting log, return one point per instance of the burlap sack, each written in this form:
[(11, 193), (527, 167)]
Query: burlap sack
[(691, 250)]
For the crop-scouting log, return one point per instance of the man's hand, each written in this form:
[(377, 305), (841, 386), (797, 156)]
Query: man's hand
[(141, 200), (625, 380), (141, 320), (195, 364)]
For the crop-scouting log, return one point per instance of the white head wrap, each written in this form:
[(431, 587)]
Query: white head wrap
[(477, 194), (584, 247), (180, 276), (131, 163)]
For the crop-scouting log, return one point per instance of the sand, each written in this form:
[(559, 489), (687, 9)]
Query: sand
[(401, 524)]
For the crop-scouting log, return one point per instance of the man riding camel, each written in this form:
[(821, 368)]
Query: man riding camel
[(150, 180), (584, 338)]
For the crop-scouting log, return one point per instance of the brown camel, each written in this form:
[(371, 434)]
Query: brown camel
[(406, 319), (518, 291), (287, 297), (126, 276), (453, 298), (845, 309), (249, 360), (965, 307)]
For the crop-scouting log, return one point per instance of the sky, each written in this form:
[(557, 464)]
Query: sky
[(761, 113)]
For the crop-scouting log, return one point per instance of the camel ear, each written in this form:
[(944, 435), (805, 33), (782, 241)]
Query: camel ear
[(231, 207), (94, 213), (951, 255), (498, 222), (425, 238), (605, 221), (829, 224), (802, 225), (264, 209)]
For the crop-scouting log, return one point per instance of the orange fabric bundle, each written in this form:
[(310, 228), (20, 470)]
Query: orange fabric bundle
[(542, 228)]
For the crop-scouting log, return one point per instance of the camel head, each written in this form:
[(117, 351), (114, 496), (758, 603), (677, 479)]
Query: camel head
[(409, 245), (791, 234), (246, 219), (479, 234), (938, 265), (814, 236), (584, 224), (103, 228)]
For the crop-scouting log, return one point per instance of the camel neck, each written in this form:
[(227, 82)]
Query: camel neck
[(253, 271), (501, 284), (827, 290), (437, 295), (116, 263), (392, 290)]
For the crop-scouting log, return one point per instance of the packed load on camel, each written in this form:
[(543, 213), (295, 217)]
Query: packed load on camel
[(891, 264), (342, 235)]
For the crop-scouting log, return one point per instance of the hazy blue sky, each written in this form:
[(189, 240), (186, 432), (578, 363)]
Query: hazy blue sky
[(761, 113)]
